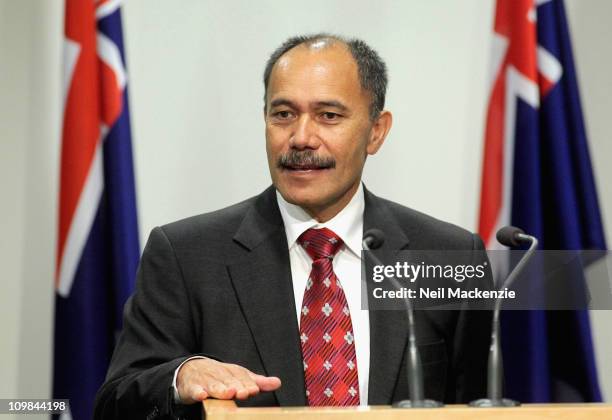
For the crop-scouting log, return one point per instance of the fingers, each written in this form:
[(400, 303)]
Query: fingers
[(243, 382), (199, 379), (266, 383), (219, 390), (197, 393)]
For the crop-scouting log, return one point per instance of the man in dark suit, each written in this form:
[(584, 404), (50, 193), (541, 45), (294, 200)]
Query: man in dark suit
[(259, 302)]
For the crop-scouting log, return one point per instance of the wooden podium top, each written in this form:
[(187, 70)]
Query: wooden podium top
[(227, 410)]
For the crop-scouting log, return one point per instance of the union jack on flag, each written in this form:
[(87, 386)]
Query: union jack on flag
[(537, 175), (98, 247)]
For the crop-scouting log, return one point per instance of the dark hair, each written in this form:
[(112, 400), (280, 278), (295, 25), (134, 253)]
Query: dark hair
[(372, 69)]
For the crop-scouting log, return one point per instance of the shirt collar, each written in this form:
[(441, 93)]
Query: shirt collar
[(347, 224)]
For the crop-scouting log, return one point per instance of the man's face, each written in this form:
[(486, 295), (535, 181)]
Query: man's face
[(318, 130)]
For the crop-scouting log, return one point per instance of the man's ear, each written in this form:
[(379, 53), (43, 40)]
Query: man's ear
[(379, 132)]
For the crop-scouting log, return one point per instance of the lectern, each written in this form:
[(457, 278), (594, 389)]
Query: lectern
[(227, 410)]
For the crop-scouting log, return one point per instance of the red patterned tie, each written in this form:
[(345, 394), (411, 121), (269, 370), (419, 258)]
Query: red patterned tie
[(328, 344)]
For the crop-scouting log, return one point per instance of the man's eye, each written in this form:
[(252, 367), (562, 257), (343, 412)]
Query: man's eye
[(283, 115), (330, 116)]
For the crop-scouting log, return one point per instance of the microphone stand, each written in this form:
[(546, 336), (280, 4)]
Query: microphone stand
[(414, 364), (495, 365)]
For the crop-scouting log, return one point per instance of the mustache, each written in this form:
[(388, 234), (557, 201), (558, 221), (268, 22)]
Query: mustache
[(305, 158)]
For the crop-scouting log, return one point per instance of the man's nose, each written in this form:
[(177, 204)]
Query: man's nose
[(305, 135)]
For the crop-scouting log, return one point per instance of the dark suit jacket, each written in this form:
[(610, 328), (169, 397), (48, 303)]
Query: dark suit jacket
[(219, 284)]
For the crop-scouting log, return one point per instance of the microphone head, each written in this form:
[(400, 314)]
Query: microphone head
[(508, 236), (374, 238)]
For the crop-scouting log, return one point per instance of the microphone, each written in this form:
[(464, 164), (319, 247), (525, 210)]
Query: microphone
[(373, 239), (512, 237)]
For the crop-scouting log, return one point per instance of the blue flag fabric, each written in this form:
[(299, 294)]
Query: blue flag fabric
[(548, 355)]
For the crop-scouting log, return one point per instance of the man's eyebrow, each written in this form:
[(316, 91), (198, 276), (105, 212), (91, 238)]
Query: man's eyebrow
[(333, 104), (281, 101)]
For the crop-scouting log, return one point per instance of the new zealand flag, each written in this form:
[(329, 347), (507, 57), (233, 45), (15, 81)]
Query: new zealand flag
[(98, 247), (537, 175)]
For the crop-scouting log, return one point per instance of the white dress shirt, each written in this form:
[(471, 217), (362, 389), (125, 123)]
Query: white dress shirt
[(348, 225)]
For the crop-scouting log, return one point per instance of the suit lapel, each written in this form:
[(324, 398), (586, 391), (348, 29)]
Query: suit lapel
[(388, 335), (264, 288)]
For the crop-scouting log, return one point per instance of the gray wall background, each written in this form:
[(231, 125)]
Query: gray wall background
[(196, 104)]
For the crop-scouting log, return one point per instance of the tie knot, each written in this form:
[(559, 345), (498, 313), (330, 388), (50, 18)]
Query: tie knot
[(320, 243)]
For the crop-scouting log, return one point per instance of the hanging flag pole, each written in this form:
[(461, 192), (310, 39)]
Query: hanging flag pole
[(98, 246), (537, 176)]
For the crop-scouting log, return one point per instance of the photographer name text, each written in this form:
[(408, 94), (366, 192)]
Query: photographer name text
[(442, 293)]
